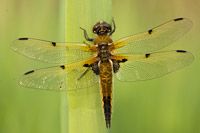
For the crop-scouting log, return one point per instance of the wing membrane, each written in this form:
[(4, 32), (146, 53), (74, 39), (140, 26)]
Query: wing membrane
[(153, 39), (61, 78), (149, 66), (52, 52), (81, 78), (53, 78)]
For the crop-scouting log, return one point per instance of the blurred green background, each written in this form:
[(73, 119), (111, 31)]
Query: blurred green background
[(170, 104)]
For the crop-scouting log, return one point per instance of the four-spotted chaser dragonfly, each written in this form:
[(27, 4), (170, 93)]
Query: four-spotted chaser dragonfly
[(129, 58)]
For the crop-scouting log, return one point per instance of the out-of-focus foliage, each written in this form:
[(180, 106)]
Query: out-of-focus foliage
[(25, 110)]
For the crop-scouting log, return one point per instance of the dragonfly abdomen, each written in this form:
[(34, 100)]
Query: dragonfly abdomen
[(105, 73)]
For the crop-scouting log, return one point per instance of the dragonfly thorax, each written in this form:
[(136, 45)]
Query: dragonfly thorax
[(102, 44), (103, 51)]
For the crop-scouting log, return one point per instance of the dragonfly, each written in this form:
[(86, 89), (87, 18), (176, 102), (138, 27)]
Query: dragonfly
[(131, 58)]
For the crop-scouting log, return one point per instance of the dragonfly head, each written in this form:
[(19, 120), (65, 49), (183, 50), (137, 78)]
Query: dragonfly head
[(102, 28)]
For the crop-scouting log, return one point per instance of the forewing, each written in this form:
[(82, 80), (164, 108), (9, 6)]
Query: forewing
[(150, 66), (61, 78), (52, 52), (154, 39)]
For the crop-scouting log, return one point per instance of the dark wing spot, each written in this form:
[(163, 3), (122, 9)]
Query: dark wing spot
[(53, 43), (23, 39), (63, 67), (178, 19), (29, 72), (147, 55), (124, 60), (86, 65), (181, 51), (150, 31)]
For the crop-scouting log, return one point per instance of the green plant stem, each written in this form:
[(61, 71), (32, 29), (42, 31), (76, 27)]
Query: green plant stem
[(85, 106)]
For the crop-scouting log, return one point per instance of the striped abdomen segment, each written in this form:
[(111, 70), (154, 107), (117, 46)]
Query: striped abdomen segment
[(105, 73)]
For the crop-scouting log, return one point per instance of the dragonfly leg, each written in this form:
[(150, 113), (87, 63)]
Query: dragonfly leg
[(86, 43), (114, 27), (86, 36), (84, 73)]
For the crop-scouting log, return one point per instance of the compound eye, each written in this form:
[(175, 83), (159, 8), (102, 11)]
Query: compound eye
[(109, 29), (95, 30)]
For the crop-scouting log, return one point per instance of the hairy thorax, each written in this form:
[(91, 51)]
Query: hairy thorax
[(103, 45)]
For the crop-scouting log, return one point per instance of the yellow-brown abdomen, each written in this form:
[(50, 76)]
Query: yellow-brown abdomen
[(105, 73)]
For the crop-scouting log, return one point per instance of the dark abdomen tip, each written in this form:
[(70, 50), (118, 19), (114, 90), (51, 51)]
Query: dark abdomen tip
[(107, 124), (107, 110)]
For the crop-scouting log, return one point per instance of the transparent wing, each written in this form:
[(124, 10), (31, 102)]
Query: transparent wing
[(53, 78), (149, 66), (60, 78), (81, 78), (153, 39), (52, 52)]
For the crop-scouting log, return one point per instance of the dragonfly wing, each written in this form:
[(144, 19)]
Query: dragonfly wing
[(154, 39), (150, 66), (52, 52), (60, 78), (52, 78), (79, 76)]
